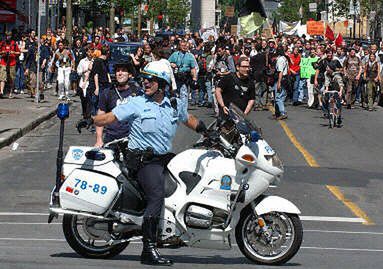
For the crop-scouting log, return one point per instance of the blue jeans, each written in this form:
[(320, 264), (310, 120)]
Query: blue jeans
[(280, 98), (181, 88), (297, 90), (303, 91), (20, 78), (204, 87), (94, 102)]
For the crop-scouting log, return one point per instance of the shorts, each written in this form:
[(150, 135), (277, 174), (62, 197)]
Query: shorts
[(3, 73)]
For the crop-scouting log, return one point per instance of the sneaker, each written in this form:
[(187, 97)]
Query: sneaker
[(61, 97), (282, 117), (21, 92), (348, 106)]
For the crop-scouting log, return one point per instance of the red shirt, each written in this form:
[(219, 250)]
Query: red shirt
[(8, 48), (295, 62)]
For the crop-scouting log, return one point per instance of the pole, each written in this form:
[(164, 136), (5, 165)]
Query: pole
[(354, 26), (29, 13), (58, 14), (37, 97), (139, 21)]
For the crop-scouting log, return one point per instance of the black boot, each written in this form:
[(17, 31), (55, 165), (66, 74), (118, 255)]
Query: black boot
[(150, 254)]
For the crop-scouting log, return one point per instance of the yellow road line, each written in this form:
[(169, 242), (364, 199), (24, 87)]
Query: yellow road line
[(353, 207), (308, 157), (313, 163)]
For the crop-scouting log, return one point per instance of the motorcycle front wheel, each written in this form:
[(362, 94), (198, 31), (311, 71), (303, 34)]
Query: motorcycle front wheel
[(276, 244), (84, 236)]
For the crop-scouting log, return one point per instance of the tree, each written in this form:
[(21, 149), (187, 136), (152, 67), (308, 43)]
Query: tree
[(289, 10), (177, 11)]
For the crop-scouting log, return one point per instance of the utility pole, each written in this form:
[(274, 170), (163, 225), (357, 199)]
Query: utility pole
[(139, 20), (112, 14), (354, 25), (69, 19), (40, 7)]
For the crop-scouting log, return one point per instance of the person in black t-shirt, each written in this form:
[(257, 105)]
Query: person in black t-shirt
[(99, 79), (237, 88), (114, 96)]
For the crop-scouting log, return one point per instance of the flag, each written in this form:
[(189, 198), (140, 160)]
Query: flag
[(329, 33), (251, 15), (339, 40)]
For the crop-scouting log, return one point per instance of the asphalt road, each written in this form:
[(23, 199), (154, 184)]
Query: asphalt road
[(334, 176)]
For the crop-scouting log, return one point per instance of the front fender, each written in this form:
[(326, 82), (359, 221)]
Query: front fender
[(275, 204)]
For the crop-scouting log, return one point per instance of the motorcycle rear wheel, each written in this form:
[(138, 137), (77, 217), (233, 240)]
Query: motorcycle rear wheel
[(286, 236), (88, 244)]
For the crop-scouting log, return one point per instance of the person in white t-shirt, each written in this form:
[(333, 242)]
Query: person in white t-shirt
[(282, 66)]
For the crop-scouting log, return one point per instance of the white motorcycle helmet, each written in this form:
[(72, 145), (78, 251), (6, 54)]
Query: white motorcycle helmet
[(157, 69)]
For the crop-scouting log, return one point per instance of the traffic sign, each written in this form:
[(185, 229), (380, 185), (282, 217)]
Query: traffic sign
[(313, 7), (42, 9)]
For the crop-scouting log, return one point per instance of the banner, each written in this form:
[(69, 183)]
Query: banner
[(206, 33), (285, 27), (315, 27)]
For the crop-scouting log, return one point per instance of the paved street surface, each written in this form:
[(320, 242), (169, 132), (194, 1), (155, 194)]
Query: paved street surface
[(334, 176)]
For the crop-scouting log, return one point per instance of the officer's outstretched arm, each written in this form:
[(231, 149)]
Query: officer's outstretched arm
[(104, 119)]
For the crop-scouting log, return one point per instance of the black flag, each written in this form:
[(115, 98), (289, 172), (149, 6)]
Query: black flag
[(249, 6)]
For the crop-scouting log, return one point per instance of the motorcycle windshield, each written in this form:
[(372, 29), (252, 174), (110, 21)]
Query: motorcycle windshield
[(243, 125)]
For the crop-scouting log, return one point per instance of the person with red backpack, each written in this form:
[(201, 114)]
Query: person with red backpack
[(9, 51)]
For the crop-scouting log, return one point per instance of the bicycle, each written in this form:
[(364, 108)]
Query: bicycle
[(332, 98)]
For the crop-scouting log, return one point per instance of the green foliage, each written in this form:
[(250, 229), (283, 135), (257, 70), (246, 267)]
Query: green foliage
[(177, 11), (289, 10), (342, 7)]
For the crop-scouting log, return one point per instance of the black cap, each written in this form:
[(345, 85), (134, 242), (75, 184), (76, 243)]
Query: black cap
[(126, 62)]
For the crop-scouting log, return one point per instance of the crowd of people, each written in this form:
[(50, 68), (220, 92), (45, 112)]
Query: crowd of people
[(250, 72), (146, 93)]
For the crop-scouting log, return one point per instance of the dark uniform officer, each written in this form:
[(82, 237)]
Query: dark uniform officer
[(114, 96), (153, 119)]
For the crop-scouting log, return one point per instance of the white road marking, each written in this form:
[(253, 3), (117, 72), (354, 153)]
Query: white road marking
[(28, 223), (22, 214), (31, 239), (331, 219), (345, 249), (342, 232)]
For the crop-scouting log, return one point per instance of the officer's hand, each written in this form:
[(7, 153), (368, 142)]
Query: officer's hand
[(84, 123)]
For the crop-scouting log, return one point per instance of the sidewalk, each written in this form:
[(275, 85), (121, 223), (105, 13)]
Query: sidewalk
[(21, 114)]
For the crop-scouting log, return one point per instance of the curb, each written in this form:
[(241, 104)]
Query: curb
[(16, 134)]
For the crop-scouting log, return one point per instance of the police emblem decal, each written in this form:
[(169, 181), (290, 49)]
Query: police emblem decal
[(226, 183), (77, 154)]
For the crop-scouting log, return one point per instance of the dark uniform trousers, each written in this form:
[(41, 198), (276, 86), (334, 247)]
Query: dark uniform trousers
[(151, 178)]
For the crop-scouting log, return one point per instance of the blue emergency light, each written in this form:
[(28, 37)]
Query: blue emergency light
[(63, 111)]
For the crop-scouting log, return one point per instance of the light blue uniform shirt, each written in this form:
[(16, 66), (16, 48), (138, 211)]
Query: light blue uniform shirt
[(184, 61), (152, 125)]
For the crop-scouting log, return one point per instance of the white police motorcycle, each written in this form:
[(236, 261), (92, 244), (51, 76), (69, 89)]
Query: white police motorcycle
[(213, 192)]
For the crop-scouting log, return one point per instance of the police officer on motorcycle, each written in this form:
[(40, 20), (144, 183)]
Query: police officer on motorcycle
[(153, 118)]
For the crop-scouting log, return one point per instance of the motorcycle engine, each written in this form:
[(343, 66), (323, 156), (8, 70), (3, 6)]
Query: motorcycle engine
[(198, 217)]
